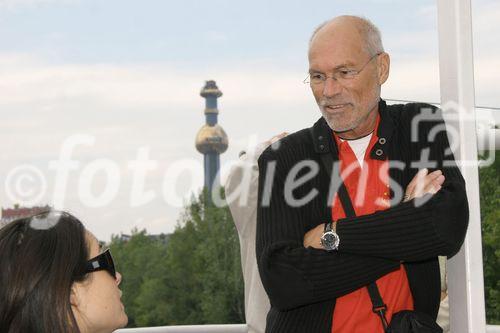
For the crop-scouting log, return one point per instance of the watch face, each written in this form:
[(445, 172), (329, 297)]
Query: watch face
[(330, 240)]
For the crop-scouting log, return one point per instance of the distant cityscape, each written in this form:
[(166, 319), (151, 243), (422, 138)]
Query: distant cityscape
[(17, 212)]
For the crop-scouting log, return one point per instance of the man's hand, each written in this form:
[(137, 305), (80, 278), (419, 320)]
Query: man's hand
[(423, 183), (313, 237)]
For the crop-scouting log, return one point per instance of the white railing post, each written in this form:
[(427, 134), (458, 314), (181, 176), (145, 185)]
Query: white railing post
[(465, 270)]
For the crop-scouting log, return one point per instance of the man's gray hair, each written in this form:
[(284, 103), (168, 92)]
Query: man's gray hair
[(367, 29)]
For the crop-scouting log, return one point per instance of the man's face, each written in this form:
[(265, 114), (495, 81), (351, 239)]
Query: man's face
[(346, 104)]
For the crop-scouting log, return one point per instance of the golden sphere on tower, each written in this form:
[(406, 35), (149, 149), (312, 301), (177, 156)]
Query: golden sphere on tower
[(211, 139)]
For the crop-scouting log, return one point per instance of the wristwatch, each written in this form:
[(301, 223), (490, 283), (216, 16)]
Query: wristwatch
[(330, 239)]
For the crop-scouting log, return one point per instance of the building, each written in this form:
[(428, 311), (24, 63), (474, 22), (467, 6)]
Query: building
[(211, 139), (11, 214)]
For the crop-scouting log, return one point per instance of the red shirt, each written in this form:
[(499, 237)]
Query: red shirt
[(369, 192)]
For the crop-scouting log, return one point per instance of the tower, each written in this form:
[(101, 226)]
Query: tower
[(211, 139)]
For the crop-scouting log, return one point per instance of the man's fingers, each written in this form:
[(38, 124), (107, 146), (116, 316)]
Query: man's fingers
[(432, 185), (411, 186), (431, 189), (421, 173), (435, 174), (427, 181), (417, 179), (424, 182), (435, 185)]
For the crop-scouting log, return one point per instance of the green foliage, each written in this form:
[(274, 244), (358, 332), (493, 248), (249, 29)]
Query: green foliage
[(140, 261), (193, 276), (222, 295), (490, 216), (205, 268)]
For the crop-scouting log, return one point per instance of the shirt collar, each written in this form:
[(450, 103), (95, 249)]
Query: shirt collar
[(324, 143)]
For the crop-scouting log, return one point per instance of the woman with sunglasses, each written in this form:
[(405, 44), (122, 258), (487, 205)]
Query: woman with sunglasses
[(54, 278)]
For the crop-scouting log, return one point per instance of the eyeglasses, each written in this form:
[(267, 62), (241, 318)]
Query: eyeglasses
[(338, 75), (103, 261)]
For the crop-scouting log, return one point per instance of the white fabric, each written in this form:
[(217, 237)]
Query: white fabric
[(241, 193), (359, 147), (443, 318)]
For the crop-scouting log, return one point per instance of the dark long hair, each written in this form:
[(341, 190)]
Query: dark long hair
[(40, 258)]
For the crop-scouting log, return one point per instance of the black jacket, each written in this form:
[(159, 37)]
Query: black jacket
[(303, 283)]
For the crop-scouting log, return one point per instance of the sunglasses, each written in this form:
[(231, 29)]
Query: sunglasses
[(103, 261)]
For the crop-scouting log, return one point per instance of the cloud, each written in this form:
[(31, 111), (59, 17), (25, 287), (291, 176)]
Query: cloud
[(26, 79)]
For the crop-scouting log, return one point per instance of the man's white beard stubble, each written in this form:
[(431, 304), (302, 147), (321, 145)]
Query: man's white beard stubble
[(323, 103), (352, 122)]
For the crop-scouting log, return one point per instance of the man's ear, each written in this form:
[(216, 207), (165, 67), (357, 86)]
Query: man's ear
[(383, 65)]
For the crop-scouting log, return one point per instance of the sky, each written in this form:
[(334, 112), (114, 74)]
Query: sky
[(110, 83)]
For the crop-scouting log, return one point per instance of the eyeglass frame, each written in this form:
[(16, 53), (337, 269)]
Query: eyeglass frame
[(103, 261), (336, 74)]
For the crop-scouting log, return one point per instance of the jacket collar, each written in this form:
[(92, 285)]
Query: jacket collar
[(324, 143)]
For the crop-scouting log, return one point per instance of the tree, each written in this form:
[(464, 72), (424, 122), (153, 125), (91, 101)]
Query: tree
[(490, 217), (205, 278), (222, 296), (194, 278), (140, 260)]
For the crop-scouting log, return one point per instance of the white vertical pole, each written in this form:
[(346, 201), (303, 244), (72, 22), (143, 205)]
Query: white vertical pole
[(456, 68)]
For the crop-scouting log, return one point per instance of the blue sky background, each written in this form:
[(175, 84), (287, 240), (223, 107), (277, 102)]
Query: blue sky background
[(188, 33), (129, 73)]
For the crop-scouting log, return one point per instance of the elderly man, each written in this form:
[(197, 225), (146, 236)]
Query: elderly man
[(241, 194), (318, 252)]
